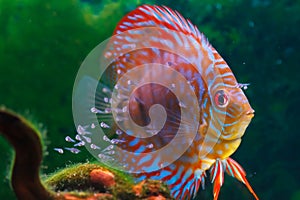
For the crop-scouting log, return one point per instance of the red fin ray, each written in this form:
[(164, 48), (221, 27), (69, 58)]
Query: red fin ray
[(233, 169), (217, 177)]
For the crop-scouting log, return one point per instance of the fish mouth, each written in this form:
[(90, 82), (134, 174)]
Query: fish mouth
[(250, 113)]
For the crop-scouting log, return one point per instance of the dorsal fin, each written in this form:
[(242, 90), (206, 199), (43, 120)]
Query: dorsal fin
[(158, 16)]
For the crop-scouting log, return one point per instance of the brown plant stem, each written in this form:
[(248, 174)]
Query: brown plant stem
[(28, 156)]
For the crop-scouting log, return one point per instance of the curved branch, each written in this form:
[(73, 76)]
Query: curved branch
[(28, 156)]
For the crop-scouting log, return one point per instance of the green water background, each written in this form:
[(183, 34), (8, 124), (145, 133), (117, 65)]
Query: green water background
[(42, 44)]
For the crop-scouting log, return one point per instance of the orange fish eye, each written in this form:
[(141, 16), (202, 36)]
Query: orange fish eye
[(221, 99)]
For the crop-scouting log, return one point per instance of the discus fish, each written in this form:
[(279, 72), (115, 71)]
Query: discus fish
[(225, 99), (224, 111)]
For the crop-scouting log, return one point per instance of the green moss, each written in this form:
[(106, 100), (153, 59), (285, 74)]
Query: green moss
[(76, 181), (153, 187), (77, 177)]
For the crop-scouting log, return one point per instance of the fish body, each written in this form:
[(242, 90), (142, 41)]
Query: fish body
[(224, 109)]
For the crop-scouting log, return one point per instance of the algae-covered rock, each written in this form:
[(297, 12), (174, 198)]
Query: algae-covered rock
[(89, 181), (95, 179)]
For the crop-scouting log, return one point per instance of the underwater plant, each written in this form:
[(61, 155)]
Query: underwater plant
[(28, 155), (79, 182)]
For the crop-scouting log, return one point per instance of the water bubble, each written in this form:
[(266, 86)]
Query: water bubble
[(149, 146), (106, 100), (105, 90), (108, 110), (110, 147), (93, 126), (101, 156), (170, 63), (243, 85), (79, 144), (117, 141), (69, 139), (120, 119), (82, 130), (118, 132), (125, 59), (59, 150), (182, 105), (77, 137), (73, 150), (104, 125), (124, 109), (110, 152), (87, 139), (105, 138), (93, 146), (105, 158), (95, 110)]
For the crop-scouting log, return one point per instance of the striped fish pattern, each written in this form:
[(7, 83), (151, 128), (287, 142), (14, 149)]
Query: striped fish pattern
[(224, 109)]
